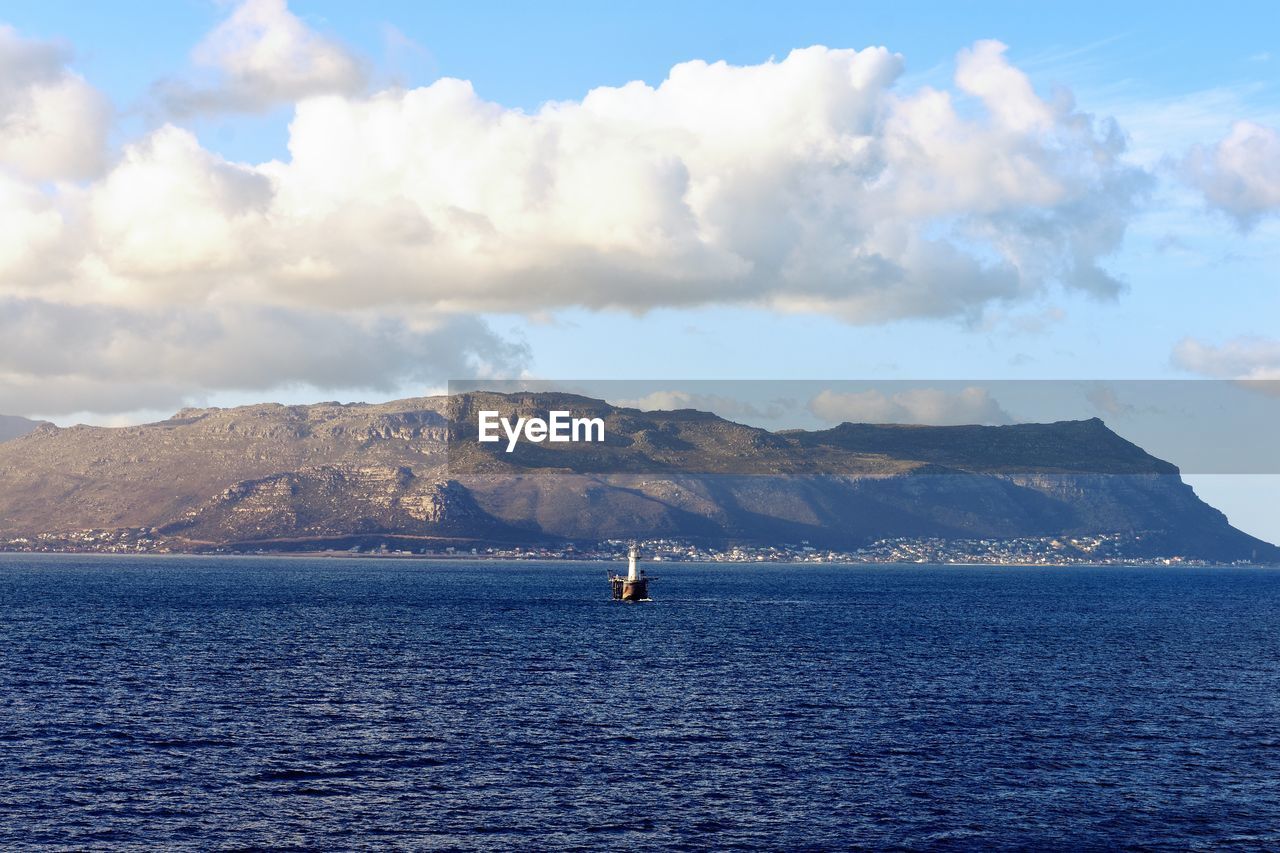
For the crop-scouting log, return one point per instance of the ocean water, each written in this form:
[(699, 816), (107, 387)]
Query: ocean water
[(319, 703)]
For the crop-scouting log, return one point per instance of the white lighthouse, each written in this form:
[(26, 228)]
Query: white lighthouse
[(635, 586), (633, 562)]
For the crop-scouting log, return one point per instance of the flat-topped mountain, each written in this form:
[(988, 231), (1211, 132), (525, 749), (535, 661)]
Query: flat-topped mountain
[(310, 476), (1065, 446)]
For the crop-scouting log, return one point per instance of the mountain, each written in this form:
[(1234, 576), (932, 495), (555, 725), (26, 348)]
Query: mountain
[(330, 474), (12, 426)]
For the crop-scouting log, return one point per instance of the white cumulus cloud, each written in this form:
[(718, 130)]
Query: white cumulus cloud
[(807, 184), (53, 124), (933, 406), (263, 55), (1240, 175), (57, 358), (1238, 358)]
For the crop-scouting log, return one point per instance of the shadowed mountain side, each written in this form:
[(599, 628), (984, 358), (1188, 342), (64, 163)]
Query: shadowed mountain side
[(328, 472), (837, 511)]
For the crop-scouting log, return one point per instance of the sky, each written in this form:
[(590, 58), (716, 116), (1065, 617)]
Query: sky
[(216, 203)]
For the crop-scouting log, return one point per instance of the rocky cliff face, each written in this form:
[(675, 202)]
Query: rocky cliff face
[(331, 502), (310, 475)]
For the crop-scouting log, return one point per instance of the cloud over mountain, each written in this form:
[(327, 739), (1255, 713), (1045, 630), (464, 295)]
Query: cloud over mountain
[(1238, 358), (933, 406), (58, 358), (724, 405)]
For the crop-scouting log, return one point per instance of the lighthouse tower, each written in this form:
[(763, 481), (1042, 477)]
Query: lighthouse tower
[(635, 586)]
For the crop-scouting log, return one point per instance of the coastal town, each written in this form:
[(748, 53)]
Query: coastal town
[(1096, 549)]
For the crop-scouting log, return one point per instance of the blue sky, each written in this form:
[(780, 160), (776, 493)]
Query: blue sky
[(1168, 253), (523, 54)]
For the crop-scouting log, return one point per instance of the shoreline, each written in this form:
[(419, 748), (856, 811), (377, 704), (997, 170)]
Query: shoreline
[(729, 564)]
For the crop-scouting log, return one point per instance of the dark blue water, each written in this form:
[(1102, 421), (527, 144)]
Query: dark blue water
[(169, 703)]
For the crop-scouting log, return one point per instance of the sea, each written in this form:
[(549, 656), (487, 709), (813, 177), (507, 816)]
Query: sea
[(169, 703)]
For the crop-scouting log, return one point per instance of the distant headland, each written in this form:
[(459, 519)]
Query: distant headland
[(413, 476)]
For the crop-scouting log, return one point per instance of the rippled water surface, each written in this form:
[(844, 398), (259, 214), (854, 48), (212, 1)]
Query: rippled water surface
[(169, 703)]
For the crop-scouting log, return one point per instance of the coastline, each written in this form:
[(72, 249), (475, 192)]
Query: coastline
[(605, 561)]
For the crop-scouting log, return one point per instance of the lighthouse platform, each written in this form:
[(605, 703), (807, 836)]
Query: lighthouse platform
[(629, 590), (634, 586)]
